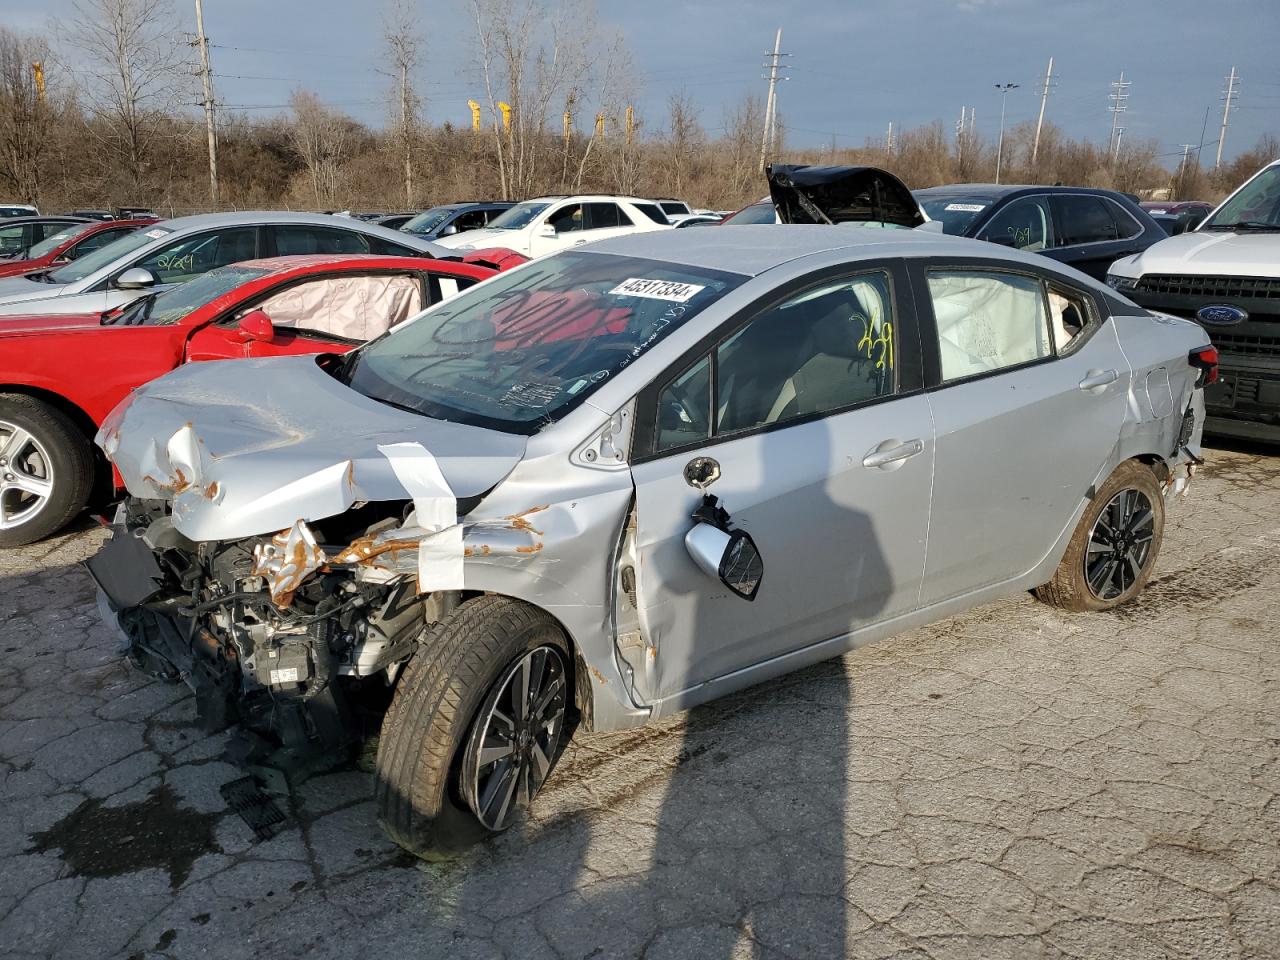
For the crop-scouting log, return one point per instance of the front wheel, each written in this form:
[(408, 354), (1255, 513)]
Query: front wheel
[(1115, 545), (46, 470), (477, 723)]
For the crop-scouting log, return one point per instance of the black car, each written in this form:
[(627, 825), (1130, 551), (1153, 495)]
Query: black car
[(450, 218), (19, 233), (103, 215), (1087, 228)]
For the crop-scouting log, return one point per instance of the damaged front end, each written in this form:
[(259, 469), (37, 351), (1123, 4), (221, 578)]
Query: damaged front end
[(283, 635)]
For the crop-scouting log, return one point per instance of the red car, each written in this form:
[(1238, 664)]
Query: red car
[(61, 375), (70, 243)]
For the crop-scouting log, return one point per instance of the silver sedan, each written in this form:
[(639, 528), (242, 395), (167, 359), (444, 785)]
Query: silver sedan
[(169, 252), (621, 481)]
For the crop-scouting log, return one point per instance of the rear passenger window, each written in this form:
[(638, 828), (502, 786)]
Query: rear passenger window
[(1085, 219), (653, 212), (291, 241), (602, 215), (1126, 226), (988, 321)]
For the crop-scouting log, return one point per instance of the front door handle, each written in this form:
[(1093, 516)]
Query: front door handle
[(1095, 380), (890, 454)]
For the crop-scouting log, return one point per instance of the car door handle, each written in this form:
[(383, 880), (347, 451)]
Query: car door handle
[(1096, 379), (886, 457)]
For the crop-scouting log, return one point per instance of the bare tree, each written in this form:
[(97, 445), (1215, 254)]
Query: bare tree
[(403, 37), (126, 55), (530, 55), (322, 138), (743, 128), (685, 141), (24, 113)]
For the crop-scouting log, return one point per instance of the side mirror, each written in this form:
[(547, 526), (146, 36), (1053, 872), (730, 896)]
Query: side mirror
[(732, 557), (135, 278), (547, 231), (448, 230), (59, 261), (255, 326)]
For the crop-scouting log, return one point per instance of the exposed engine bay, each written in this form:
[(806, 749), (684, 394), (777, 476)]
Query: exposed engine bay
[(293, 666)]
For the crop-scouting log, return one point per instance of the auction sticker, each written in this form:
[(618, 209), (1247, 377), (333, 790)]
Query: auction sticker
[(670, 290), (157, 234), (966, 207)]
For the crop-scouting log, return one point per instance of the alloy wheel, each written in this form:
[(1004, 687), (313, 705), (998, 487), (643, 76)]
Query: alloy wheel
[(26, 476), (1119, 544), (516, 737)]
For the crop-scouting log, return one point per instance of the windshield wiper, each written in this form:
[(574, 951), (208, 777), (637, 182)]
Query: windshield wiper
[(1261, 226)]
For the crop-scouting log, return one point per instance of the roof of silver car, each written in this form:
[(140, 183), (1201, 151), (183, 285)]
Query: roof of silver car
[(752, 249), (257, 216)]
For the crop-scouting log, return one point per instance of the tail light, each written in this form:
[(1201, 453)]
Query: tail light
[(1205, 359)]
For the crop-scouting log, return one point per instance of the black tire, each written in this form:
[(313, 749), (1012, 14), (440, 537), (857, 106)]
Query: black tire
[(1070, 588), (70, 461), (426, 730)]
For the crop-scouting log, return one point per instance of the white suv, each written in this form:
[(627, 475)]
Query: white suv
[(551, 224)]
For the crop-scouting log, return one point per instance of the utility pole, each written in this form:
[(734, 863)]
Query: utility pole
[(1044, 96), (1004, 89), (1229, 98), (1117, 97), (888, 141), (206, 77), (773, 64)]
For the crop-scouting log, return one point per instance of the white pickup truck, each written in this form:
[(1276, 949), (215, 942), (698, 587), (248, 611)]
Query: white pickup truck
[(1225, 275)]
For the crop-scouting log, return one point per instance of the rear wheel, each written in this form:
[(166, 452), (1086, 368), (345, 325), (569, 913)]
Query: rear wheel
[(46, 470), (1115, 545), (478, 721)]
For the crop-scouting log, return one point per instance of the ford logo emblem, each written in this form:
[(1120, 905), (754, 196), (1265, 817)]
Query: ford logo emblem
[(1221, 314)]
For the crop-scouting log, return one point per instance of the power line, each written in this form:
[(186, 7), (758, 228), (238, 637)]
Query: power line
[(1228, 98), (774, 65), (1118, 96)]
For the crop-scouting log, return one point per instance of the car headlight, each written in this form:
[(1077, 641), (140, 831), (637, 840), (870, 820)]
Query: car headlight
[(1123, 284)]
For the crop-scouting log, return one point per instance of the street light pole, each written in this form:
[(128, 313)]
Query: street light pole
[(1004, 89)]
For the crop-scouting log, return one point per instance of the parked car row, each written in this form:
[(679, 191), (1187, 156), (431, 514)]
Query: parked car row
[(644, 468)]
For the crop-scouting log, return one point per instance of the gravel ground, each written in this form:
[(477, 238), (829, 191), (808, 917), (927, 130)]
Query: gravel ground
[(1014, 782)]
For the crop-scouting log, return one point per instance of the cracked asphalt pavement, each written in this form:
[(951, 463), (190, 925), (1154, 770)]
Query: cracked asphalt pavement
[(1011, 783)]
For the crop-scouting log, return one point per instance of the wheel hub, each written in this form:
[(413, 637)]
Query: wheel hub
[(516, 737), (26, 475), (1119, 545)]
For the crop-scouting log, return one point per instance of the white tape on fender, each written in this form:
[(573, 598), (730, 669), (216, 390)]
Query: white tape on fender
[(440, 562)]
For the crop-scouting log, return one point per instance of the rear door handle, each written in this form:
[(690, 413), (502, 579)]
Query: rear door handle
[(1096, 379), (889, 454)]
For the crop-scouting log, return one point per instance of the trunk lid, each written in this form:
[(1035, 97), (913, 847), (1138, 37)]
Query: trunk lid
[(816, 194)]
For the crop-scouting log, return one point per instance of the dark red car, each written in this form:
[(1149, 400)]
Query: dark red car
[(61, 375), (69, 243)]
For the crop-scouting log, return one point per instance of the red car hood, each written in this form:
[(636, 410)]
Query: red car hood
[(21, 326), (13, 268)]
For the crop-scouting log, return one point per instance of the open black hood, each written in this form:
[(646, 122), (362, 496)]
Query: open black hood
[(808, 194)]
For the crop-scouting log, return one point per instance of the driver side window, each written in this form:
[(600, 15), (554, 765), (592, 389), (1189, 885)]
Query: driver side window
[(826, 349), (567, 219), (1025, 224), (193, 256)]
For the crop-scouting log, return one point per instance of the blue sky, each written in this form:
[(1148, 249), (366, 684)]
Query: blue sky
[(855, 64)]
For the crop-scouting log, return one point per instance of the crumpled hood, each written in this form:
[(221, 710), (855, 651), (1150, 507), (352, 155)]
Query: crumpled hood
[(1208, 253), (475, 239), (35, 324), (17, 289), (249, 447), (814, 194)]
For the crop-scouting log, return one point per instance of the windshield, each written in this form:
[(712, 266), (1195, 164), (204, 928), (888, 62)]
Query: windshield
[(518, 352), (762, 212), (170, 306), (1255, 206), (93, 262), (956, 214), (50, 244), (426, 221), (521, 215)]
